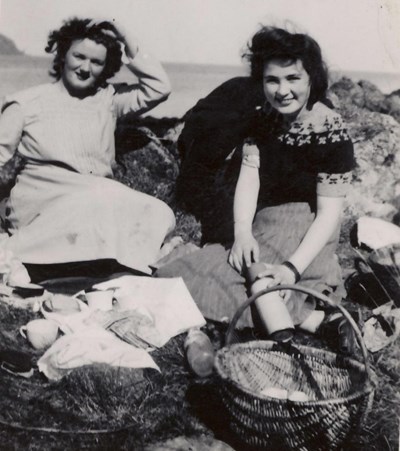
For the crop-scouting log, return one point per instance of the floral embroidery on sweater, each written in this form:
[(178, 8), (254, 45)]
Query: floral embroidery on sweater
[(301, 134), (334, 179)]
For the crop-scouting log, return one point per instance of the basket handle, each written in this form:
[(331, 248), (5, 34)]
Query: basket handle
[(316, 294)]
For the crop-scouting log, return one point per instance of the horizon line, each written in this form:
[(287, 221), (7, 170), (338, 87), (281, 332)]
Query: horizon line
[(232, 65)]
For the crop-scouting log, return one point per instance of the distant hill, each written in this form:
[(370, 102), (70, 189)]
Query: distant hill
[(7, 46)]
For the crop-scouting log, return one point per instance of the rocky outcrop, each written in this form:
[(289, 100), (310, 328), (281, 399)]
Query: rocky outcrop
[(362, 94), (393, 101), (7, 46), (376, 136)]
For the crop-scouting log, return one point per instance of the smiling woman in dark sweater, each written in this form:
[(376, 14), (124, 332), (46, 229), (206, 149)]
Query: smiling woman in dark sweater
[(296, 169)]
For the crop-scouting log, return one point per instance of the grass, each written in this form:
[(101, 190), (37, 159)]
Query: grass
[(130, 409), (100, 407)]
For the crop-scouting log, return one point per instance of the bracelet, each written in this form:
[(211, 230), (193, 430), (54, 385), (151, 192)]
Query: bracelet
[(290, 265)]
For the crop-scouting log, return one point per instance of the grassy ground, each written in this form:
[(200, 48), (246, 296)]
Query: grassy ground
[(143, 406), (99, 407)]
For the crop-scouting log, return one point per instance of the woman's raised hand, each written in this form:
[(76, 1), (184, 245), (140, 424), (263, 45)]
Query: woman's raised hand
[(108, 26), (118, 31), (245, 250)]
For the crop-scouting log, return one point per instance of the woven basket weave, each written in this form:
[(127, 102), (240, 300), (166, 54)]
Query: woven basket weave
[(340, 390)]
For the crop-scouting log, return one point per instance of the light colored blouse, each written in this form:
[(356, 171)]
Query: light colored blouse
[(47, 125), (64, 207)]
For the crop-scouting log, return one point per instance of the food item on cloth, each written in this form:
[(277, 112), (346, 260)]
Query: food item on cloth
[(275, 392), (62, 303)]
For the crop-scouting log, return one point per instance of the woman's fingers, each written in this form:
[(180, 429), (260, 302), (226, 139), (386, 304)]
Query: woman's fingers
[(235, 261), (267, 272), (247, 257), (244, 252)]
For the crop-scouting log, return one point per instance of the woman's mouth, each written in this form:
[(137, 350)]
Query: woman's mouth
[(83, 76), (285, 102)]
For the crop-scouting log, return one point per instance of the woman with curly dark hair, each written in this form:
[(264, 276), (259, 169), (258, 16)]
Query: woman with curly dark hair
[(64, 207), (295, 171)]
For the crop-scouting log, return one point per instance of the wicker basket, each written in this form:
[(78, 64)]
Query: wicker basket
[(339, 389)]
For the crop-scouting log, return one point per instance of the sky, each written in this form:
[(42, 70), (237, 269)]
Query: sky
[(361, 35)]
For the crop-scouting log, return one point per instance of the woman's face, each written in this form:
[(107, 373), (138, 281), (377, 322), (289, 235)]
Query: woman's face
[(286, 86), (84, 62)]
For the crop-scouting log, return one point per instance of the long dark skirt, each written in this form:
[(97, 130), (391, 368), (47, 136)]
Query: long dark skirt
[(219, 290)]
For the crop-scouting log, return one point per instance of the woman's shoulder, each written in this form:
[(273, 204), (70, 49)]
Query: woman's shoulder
[(320, 126), (29, 95), (322, 119)]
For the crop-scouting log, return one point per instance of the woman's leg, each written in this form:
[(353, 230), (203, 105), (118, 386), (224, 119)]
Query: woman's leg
[(312, 323), (215, 286)]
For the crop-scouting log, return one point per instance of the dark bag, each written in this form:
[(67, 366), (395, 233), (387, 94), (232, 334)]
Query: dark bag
[(214, 128)]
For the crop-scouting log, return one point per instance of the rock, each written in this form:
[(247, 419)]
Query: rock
[(348, 92), (148, 163), (363, 94), (8, 175), (374, 99), (393, 101), (7, 46), (376, 140)]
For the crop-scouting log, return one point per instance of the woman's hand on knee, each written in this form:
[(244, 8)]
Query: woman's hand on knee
[(245, 251)]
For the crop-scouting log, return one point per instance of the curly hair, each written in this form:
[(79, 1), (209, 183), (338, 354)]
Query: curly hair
[(60, 41), (271, 43)]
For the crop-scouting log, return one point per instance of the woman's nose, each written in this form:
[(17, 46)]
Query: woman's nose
[(85, 66), (283, 88)]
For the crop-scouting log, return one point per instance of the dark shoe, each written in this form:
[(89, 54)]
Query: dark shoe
[(338, 332), (282, 336), (16, 362)]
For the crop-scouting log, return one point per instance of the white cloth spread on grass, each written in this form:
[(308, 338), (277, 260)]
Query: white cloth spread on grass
[(166, 304), (167, 301), (86, 347)]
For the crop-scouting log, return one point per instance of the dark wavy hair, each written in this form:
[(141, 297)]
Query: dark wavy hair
[(271, 42), (60, 41)]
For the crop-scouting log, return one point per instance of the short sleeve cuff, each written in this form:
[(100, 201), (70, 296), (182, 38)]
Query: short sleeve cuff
[(333, 185)]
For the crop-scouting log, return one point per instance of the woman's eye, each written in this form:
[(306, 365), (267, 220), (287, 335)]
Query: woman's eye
[(97, 62)]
